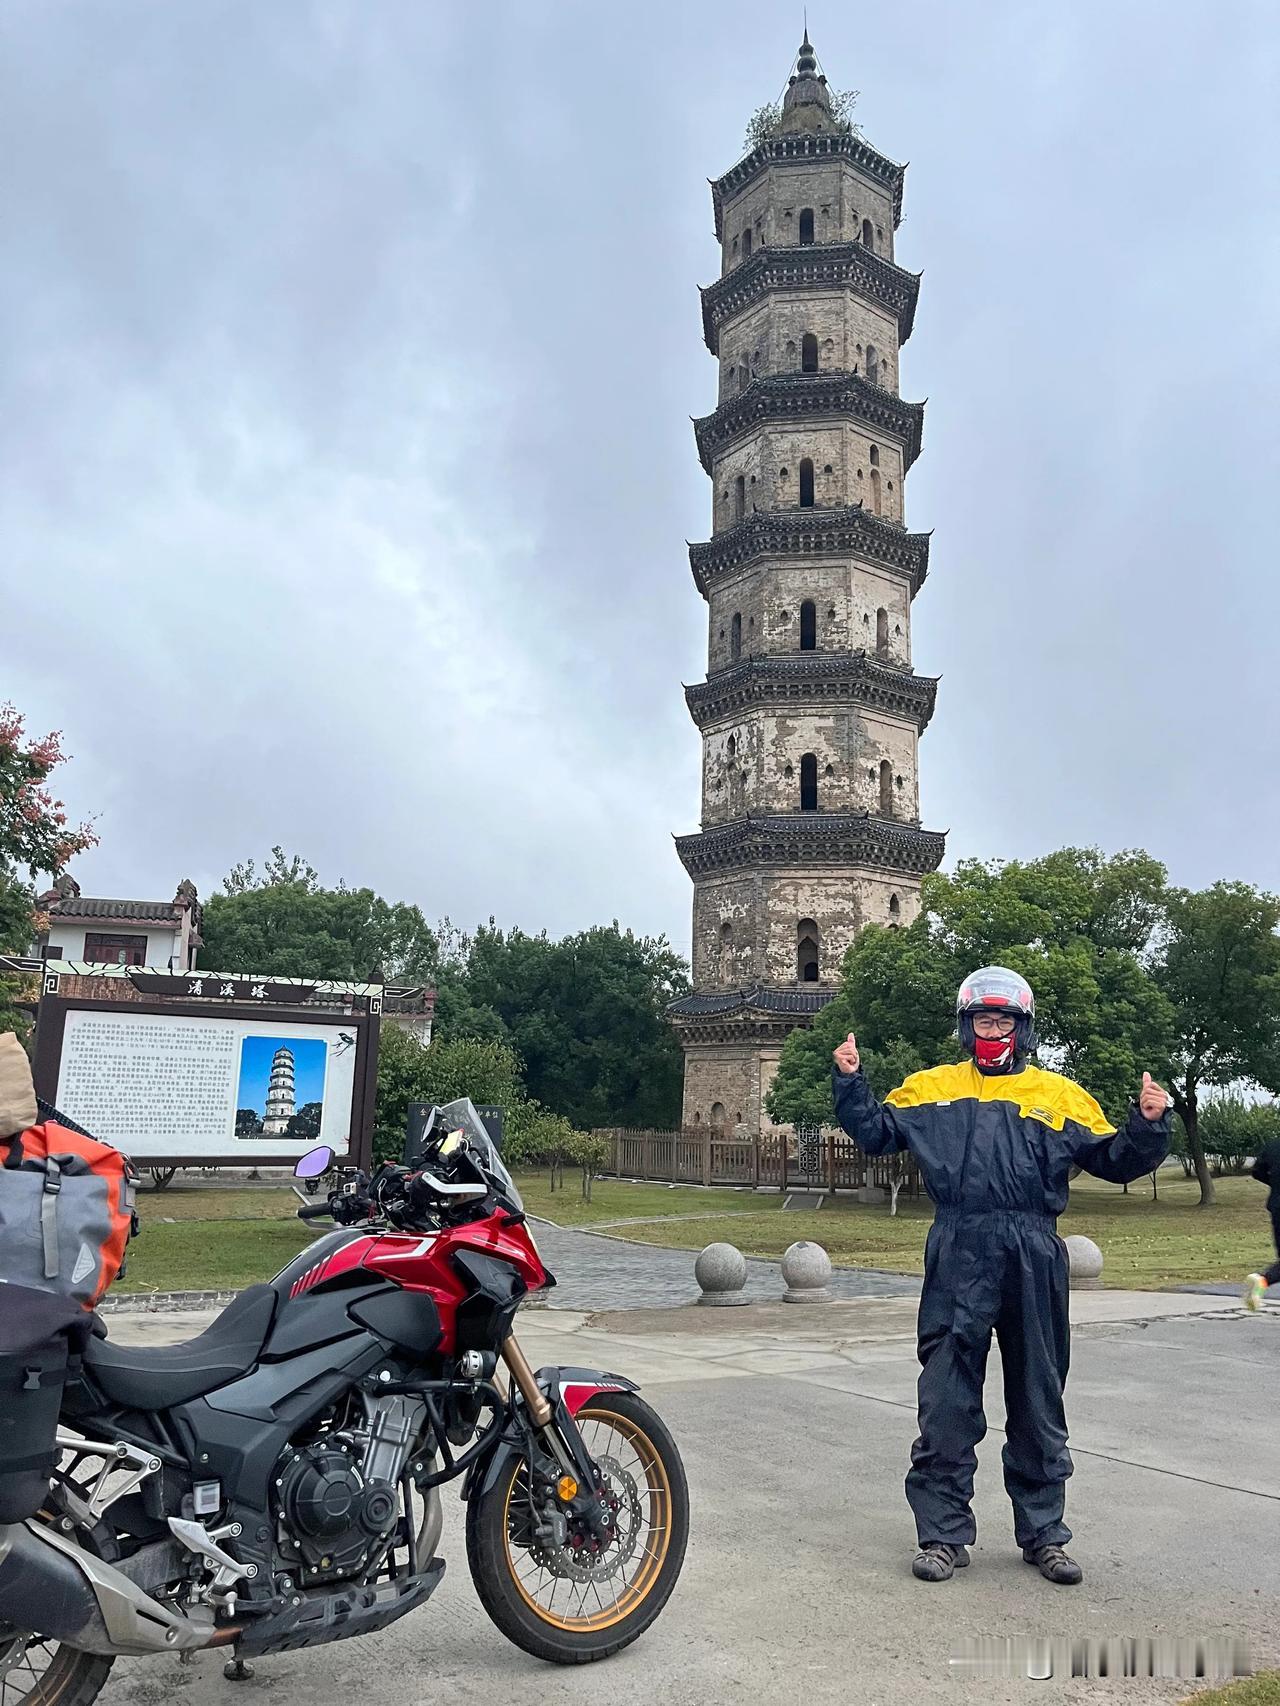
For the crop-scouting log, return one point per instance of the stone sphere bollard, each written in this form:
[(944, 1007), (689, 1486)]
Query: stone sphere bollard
[(806, 1269), (1086, 1263), (721, 1272)]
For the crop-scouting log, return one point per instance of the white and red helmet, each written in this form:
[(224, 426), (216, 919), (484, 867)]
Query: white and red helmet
[(996, 989)]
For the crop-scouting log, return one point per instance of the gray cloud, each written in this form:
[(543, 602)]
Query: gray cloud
[(346, 457)]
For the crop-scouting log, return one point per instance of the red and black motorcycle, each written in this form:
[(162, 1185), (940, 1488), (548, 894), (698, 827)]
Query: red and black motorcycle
[(274, 1483)]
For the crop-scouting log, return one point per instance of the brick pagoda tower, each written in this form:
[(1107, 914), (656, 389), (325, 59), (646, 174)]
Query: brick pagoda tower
[(810, 713)]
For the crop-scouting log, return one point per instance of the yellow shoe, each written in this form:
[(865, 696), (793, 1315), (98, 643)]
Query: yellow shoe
[(1255, 1289)]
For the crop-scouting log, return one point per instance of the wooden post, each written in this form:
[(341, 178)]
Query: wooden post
[(706, 1157), (831, 1162), (755, 1162)]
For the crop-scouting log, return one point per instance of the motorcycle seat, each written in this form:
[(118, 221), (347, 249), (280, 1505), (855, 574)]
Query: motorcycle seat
[(154, 1377)]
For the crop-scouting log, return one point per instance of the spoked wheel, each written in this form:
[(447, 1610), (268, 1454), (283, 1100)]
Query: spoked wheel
[(35, 1672), (571, 1598)]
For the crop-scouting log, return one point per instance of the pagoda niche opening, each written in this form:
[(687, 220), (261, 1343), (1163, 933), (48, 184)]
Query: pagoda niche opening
[(809, 782), (806, 483), (806, 225), (809, 353), (807, 951)]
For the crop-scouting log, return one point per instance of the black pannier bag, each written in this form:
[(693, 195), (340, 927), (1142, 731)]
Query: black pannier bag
[(40, 1337), (43, 1326)]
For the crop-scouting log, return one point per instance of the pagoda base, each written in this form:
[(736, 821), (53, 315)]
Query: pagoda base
[(732, 1044)]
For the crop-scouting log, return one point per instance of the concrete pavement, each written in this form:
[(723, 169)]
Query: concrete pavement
[(795, 1423)]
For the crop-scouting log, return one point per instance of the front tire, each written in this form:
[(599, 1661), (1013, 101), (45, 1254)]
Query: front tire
[(519, 1588)]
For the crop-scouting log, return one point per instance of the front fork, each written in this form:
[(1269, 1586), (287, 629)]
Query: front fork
[(545, 1395)]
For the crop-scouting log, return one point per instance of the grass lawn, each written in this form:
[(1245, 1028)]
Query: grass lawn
[(199, 1239), (1145, 1244), (1260, 1690)]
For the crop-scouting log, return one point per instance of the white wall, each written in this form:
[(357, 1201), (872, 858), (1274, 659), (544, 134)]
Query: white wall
[(69, 934)]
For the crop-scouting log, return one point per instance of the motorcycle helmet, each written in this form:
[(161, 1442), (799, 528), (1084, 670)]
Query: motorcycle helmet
[(996, 989)]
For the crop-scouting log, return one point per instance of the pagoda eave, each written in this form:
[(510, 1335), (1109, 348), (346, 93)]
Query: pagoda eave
[(784, 397), (846, 531), (818, 679), (813, 840), (802, 148), (811, 267)]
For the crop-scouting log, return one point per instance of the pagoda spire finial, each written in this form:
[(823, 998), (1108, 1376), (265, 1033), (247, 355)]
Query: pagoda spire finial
[(807, 103)]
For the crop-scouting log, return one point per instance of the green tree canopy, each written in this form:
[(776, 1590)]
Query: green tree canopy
[(1078, 925), (1219, 971), (285, 923), (586, 1015), (487, 1072)]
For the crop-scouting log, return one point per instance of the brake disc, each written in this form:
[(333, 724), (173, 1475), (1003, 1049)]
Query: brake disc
[(578, 1565)]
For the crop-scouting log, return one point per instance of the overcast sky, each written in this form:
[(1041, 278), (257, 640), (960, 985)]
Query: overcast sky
[(349, 353)]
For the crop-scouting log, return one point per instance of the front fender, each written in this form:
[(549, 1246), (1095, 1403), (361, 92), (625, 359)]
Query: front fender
[(568, 1390)]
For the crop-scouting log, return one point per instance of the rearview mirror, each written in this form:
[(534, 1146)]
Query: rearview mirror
[(314, 1162)]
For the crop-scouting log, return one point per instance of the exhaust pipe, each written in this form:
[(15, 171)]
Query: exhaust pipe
[(48, 1585)]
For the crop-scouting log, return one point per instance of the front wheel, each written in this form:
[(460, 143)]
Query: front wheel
[(571, 1604)]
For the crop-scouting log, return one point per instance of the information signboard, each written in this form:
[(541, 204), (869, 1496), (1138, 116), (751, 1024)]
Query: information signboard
[(183, 1080)]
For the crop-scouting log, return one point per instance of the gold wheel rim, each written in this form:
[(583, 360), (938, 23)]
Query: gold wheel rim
[(652, 1553)]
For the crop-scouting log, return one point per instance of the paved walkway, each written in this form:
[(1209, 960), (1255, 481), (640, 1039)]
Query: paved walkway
[(597, 1272)]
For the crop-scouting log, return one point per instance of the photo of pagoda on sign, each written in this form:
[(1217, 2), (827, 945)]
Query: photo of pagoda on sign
[(281, 1089)]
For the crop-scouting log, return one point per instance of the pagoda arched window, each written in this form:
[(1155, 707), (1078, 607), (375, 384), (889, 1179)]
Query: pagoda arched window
[(806, 483), (808, 626), (809, 353), (735, 636), (806, 225)]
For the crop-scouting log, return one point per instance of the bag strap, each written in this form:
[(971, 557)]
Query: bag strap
[(49, 1215)]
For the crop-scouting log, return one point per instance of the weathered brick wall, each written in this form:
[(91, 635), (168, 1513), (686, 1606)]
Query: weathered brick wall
[(847, 597), (768, 337), (764, 910), (844, 471), (841, 199), (723, 1075)]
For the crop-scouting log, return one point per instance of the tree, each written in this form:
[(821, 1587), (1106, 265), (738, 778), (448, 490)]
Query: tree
[(487, 1072), (1219, 971), (1233, 1130), (1078, 925), (306, 1122), (35, 838), (587, 1017), (248, 1122), (284, 923)]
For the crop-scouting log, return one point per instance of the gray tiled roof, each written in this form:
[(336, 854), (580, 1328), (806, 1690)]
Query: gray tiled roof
[(82, 906), (766, 1000)]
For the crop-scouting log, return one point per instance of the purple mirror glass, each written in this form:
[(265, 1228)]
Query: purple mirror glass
[(314, 1162)]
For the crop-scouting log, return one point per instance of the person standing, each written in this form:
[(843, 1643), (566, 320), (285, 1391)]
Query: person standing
[(1266, 1169), (995, 1139)]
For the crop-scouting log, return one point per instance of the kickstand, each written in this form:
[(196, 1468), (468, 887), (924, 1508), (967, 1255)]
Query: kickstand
[(236, 1670)]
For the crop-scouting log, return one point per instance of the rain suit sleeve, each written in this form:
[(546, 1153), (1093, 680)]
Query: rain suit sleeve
[(1120, 1157), (875, 1127)]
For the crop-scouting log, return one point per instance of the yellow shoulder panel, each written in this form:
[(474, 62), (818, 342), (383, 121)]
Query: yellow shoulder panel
[(937, 1084), (1069, 1102)]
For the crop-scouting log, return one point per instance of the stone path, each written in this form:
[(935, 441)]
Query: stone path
[(595, 1272)]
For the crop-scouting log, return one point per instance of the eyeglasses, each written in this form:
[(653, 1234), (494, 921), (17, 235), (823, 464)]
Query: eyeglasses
[(993, 1024)]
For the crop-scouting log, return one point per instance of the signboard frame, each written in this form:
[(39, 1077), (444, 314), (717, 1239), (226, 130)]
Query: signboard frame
[(360, 1009)]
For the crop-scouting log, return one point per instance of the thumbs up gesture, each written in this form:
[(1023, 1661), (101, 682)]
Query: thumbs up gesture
[(846, 1056), (1152, 1100)]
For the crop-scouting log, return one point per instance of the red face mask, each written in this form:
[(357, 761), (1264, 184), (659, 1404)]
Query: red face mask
[(993, 1052)]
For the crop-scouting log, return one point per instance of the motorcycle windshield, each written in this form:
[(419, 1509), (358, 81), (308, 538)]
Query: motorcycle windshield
[(462, 1116)]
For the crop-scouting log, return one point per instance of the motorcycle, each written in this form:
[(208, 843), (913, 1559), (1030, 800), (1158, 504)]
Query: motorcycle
[(275, 1482)]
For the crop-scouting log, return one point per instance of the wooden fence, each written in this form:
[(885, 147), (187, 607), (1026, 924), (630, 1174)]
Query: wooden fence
[(696, 1155)]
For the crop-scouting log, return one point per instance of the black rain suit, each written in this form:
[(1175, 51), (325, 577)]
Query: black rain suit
[(995, 1152)]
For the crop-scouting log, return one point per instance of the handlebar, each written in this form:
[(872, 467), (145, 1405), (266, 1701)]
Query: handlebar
[(314, 1211)]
